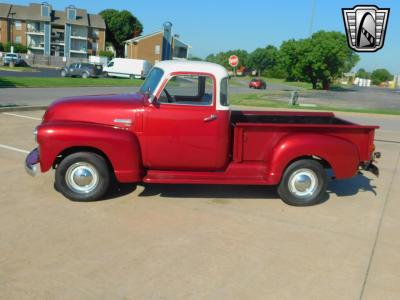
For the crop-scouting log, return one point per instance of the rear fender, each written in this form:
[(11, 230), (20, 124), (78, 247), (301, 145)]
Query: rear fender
[(340, 154), (120, 146)]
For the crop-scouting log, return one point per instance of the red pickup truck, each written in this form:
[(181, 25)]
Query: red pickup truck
[(179, 129)]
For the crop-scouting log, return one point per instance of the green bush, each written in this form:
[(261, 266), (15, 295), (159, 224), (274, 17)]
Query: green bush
[(18, 48), (107, 54)]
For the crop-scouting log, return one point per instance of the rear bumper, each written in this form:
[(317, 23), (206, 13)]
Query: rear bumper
[(370, 166), (32, 162)]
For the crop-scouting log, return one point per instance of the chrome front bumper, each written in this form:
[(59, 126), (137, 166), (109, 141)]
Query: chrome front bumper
[(32, 162)]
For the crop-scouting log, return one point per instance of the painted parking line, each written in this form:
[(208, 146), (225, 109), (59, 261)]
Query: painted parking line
[(22, 116), (13, 149)]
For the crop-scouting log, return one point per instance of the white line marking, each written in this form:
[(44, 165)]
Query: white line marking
[(22, 116), (13, 149)]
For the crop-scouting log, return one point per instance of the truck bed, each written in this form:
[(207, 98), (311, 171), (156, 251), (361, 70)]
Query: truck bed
[(286, 118), (258, 132)]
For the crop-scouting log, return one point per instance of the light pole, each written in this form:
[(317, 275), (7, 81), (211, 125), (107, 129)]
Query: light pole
[(314, 3), (11, 28)]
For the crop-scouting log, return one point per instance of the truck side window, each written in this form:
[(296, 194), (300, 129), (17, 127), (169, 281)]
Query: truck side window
[(188, 90), (224, 92)]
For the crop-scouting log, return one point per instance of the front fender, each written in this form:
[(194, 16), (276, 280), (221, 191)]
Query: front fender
[(341, 154), (120, 146)]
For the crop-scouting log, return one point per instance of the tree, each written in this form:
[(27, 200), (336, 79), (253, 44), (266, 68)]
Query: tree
[(222, 58), (108, 54), (380, 75), (121, 26), (263, 58), (362, 73), (321, 58), (195, 58)]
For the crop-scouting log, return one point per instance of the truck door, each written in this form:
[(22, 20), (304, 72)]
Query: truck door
[(183, 130)]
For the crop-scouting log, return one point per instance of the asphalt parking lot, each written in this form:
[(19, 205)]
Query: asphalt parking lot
[(196, 242)]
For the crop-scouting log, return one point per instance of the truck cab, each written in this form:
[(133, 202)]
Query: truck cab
[(180, 129)]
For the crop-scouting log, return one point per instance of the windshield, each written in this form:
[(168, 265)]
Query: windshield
[(152, 81)]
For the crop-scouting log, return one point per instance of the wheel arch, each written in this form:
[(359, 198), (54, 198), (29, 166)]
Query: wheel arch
[(74, 149), (120, 148), (332, 152)]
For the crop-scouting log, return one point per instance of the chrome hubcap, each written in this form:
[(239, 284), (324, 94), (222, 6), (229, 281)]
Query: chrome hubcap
[(82, 177), (303, 183)]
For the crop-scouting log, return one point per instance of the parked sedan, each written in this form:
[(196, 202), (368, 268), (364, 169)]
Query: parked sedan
[(84, 70), (12, 57), (257, 83)]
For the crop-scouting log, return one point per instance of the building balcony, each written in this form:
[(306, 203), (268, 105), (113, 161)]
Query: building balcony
[(35, 32), (58, 42), (76, 37), (36, 47), (79, 51)]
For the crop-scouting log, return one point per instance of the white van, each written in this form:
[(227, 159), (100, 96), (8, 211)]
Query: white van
[(128, 68)]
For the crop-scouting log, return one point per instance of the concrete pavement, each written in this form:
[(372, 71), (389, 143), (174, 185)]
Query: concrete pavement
[(196, 242)]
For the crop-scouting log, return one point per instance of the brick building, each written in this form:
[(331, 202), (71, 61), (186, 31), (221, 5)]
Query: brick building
[(71, 33), (157, 46)]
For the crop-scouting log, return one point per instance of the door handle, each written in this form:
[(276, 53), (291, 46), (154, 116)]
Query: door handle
[(210, 118)]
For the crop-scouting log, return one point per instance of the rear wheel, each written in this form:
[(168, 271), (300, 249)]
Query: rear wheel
[(85, 75), (63, 73), (83, 176), (303, 183)]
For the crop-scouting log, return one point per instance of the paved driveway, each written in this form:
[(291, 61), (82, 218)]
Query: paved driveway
[(195, 242)]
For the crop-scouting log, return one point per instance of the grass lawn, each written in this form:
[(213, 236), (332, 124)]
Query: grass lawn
[(25, 82), (257, 101)]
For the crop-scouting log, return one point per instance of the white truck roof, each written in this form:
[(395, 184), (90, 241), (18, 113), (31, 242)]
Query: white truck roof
[(170, 66), (173, 66)]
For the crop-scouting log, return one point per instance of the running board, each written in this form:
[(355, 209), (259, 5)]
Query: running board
[(236, 173)]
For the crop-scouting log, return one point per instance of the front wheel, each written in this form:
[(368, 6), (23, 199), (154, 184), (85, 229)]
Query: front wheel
[(303, 183), (63, 73), (83, 176), (85, 75)]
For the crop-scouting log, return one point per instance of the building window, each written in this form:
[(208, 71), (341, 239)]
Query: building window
[(71, 13), (18, 39), (157, 49), (45, 10), (18, 25)]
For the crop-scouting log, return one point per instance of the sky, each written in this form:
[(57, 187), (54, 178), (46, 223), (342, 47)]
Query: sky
[(210, 26)]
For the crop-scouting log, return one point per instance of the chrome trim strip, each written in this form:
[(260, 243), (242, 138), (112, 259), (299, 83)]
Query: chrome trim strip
[(127, 122)]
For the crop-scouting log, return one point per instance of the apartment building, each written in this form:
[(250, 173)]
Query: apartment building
[(70, 33), (157, 46)]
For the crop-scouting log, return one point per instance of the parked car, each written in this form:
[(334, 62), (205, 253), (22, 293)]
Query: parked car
[(179, 129), (12, 57), (257, 83), (128, 68), (84, 70)]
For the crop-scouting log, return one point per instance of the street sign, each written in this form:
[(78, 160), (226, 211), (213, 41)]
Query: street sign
[(233, 61)]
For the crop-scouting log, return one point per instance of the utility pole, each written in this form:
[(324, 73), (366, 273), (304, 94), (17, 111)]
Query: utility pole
[(313, 5), (11, 28)]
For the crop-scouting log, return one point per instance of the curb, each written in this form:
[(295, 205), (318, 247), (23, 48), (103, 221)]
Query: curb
[(23, 108)]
